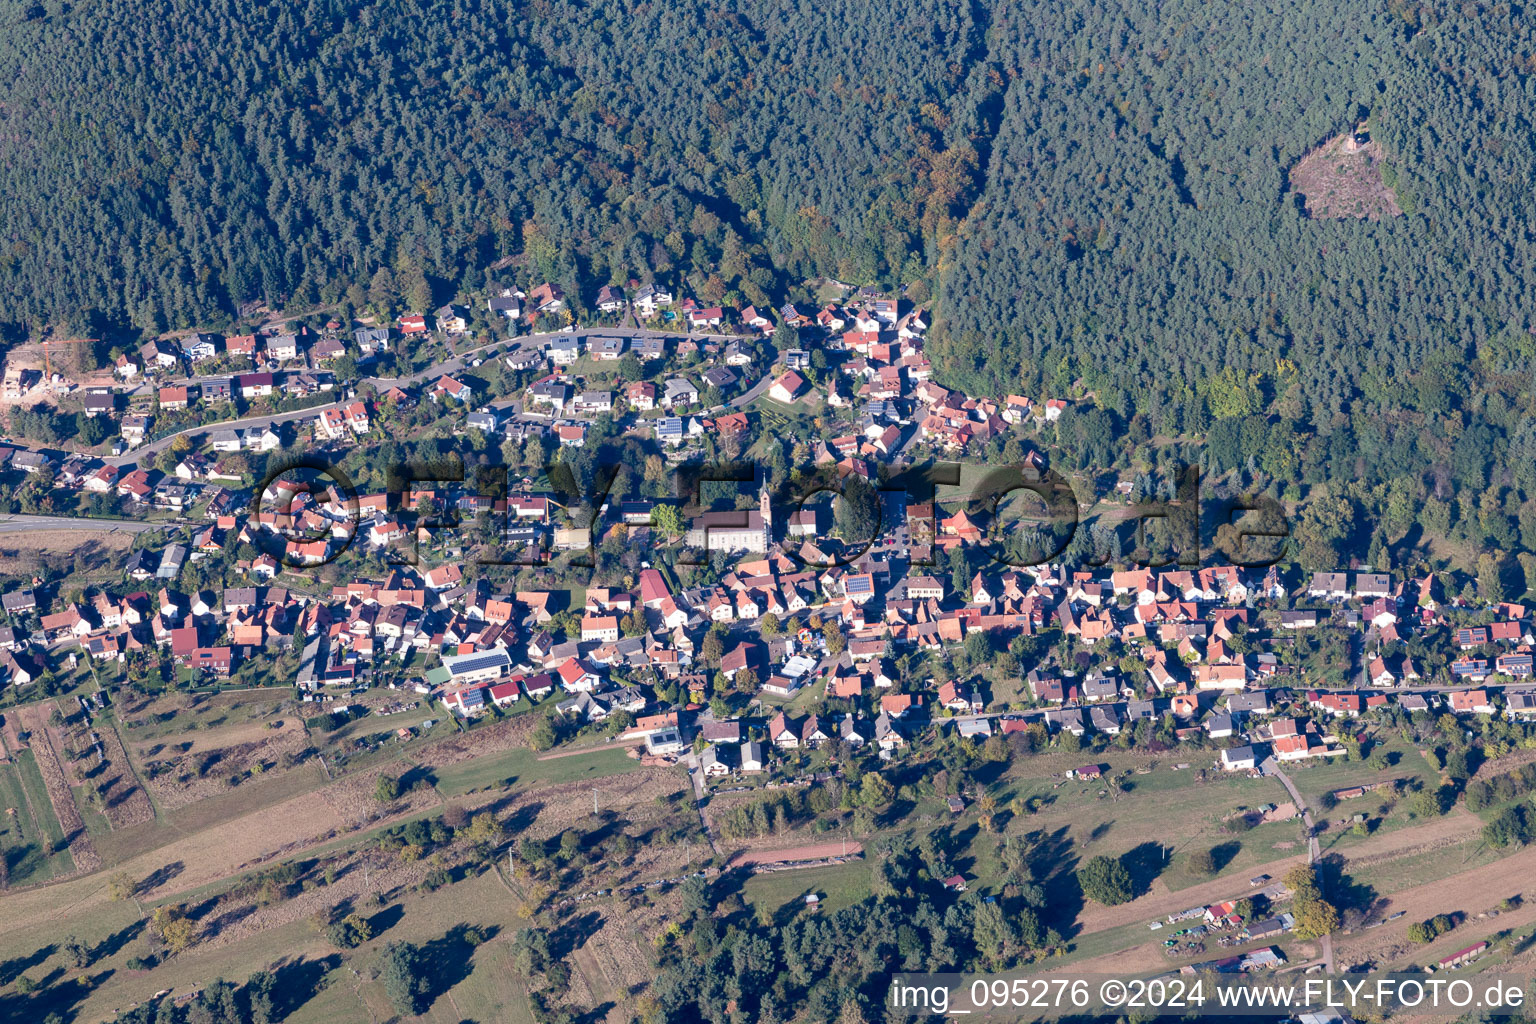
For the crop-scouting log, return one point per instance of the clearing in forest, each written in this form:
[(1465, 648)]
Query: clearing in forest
[(1343, 178)]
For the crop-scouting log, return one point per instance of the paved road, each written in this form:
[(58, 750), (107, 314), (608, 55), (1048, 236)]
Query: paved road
[(1313, 850), (751, 395), (26, 524), (447, 367), (690, 761), (148, 451)]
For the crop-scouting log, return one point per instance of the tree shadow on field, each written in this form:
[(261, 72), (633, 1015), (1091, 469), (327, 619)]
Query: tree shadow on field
[(573, 933), (1144, 862), (597, 1014), (12, 969), (415, 776), (115, 942), (385, 919), (1054, 863), (1339, 888), (295, 982), (446, 961), (1223, 854), (160, 876)]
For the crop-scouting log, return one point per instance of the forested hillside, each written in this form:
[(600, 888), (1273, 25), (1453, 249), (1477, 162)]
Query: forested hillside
[(1094, 197), (164, 161), (1135, 213)]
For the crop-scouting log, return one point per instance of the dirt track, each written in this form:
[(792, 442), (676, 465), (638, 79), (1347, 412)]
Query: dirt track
[(817, 851), (224, 736), (584, 750), (1160, 902), (1469, 893), (1455, 827)]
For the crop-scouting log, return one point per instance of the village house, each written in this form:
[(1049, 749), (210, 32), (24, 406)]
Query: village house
[(283, 348), (1239, 759), (606, 350), (507, 304), (787, 388), (610, 299), (650, 298), (546, 298), (447, 387)]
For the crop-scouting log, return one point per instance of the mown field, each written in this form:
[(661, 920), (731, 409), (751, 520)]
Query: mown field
[(31, 839), (521, 768)]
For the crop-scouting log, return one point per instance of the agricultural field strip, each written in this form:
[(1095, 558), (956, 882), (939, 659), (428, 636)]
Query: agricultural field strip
[(60, 795)]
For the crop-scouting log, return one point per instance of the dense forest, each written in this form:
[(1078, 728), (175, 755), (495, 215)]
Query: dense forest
[(1095, 198), (165, 162)]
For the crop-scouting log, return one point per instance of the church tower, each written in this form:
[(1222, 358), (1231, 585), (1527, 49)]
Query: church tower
[(765, 509)]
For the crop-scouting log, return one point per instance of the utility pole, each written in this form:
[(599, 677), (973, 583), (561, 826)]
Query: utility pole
[(594, 802)]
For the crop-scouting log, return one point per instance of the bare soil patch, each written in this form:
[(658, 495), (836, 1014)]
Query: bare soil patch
[(95, 759), (611, 964), (1341, 179), (351, 799), (1499, 765), (226, 736), (233, 920), (185, 768), (125, 802), (28, 551), (494, 738)]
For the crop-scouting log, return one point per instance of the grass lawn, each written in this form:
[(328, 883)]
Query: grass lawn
[(802, 700), (211, 712), (827, 292), (28, 835), (1258, 846), (782, 420), (251, 795), (91, 925), (485, 988), (1318, 778), (1008, 692), (1110, 940), (840, 885), (1162, 816), (1396, 874), (521, 767), (96, 823), (971, 474), (1164, 805), (373, 724), (195, 968), (1321, 775)]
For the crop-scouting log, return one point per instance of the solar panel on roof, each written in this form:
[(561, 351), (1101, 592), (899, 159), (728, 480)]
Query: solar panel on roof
[(467, 663)]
